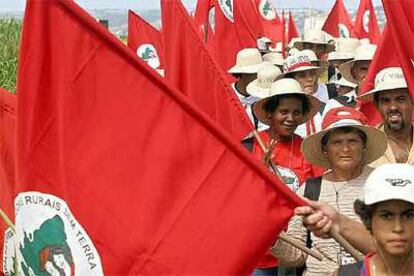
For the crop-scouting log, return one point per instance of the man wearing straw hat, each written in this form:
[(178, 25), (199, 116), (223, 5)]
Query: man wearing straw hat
[(248, 63), (392, 100), (345, 146), (345, 48)]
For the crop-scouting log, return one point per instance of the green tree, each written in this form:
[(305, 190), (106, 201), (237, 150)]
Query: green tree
[(9, 48)]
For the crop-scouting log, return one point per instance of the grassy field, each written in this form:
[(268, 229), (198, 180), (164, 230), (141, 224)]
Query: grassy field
[(9, 45)]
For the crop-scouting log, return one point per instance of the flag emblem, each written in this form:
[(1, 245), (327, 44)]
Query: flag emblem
[(148, 53), (365, 21), (227, 7), (343, 31), (267, 10), (49, 240), (289, 178)]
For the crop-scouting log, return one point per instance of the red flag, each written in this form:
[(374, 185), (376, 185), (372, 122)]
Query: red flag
[(366, 24), (145, 40), (272, 24), (338, 23), (108, 150), (190, 67), (202, 22), (385, 56), (292, 30), (234, 30), (400, 18), (7, 160)]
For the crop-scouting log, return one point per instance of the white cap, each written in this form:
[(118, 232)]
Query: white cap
[(390, 182)]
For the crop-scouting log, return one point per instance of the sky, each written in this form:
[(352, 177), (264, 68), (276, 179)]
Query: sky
[(9, 5)]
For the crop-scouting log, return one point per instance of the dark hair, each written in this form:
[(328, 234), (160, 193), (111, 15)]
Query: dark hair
[(376, 98), (271, 105), (345, 129), (365, 213)]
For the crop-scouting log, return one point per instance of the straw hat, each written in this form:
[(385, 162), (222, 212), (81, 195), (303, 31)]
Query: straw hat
[(347, 45), (344, 82), (344, 117), (313, 58), (265, 77), (363, 52), (263, 44), (281, 88), (248, 61), (293, 51), (298, 63), (315, 37), (387, 79), (388, 182), (274, 58), (340, 56)]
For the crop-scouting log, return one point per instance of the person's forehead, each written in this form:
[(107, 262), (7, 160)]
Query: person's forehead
[(393, 93), (362, 63), (394, 205), (343, 133)]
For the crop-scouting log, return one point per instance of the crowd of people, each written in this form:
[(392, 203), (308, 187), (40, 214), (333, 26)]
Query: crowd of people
[(358, 179)]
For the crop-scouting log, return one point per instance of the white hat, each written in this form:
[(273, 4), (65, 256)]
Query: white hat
[(248, 61), (387, 79), (274, 58), (278, 48), (293, 51), (284, 87), (265, 77), (315, 37), (389, 182), (363, 52), (263, 44), (340, 56), (344, 82), (298, 63), (344, 116), (347, 44), (313, 58)]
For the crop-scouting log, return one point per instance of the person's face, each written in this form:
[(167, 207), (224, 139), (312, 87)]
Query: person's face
[(318, 49), (396, 108), (393, 227), (342, 90), (286, 117), (360, 70), (308, 80), (344, 150)]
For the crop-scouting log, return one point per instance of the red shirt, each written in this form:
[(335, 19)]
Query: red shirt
[(293, 167)]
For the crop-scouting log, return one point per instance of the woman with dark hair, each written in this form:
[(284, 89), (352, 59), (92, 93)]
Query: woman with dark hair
[(387, 211), (283, 106)]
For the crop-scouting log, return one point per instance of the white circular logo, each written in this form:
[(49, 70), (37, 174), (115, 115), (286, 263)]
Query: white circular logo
[(289, 177), (148, 53), (365, 21), (227, 7), (48, 240), (267, 10), (343, 31)]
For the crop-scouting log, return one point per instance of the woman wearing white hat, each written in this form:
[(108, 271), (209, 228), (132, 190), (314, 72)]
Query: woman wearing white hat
[(387, 211), (283, 106), (345, 146)]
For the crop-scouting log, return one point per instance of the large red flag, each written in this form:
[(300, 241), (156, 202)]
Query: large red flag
[(366, 24), (272, 24), (292, 30), (190, 67), (202, 22), (338, 23), (400, 18), (145, 40), (7, 159), (234, 30), (117, 169)]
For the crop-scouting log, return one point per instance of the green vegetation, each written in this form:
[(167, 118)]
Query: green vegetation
[(9, 48)]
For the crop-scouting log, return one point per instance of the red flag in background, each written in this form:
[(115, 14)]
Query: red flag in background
[(385, 56), (145, 40), (234, 30), (338, 23), (292, 30), (202, 22), (191, 68), (272, 24), (366, 24), (7, 161), (400, 18), (112, 158)]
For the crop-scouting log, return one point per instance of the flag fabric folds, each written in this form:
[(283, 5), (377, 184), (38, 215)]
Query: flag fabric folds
[(338, 23), (366, 24), (191, 68), (145, 40), (202, 22), (272, 24), (129, 175)]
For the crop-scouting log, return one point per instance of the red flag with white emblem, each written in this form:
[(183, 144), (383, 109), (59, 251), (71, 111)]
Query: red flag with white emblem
[(338, 23), (366, 24)]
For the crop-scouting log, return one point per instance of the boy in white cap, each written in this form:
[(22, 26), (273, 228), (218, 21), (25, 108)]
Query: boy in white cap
[(392, 100)]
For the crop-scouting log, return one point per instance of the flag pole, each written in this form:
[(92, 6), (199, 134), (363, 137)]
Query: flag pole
[(336, 236), (7, 220)]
